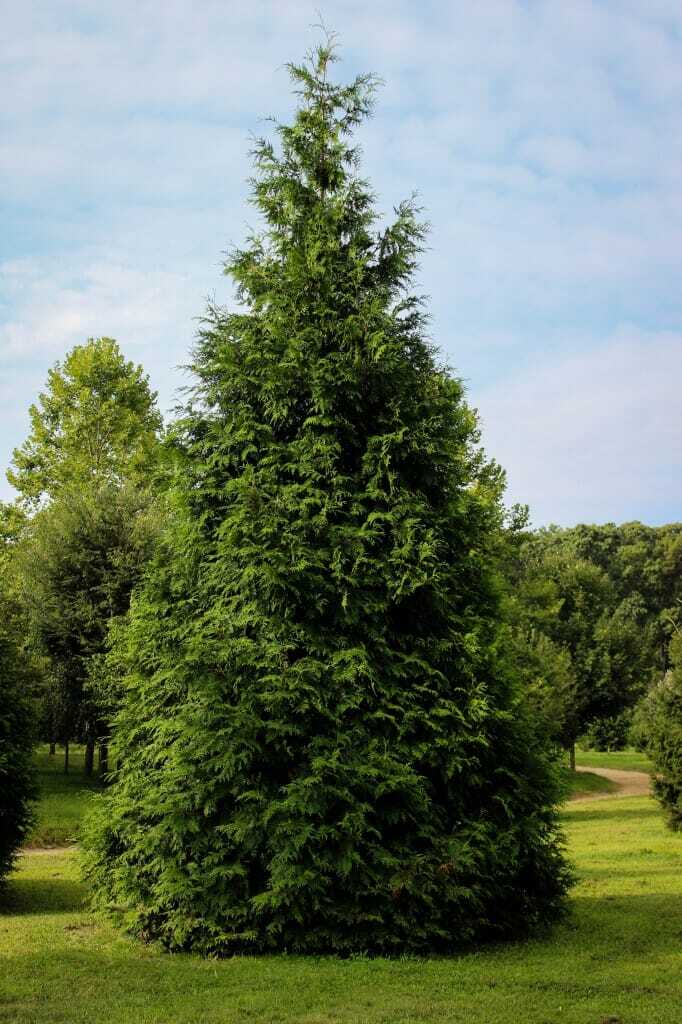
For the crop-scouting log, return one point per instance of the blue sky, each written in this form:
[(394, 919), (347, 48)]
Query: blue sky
[(544, 139)]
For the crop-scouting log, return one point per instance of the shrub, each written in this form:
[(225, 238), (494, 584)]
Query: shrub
[(611, 733)]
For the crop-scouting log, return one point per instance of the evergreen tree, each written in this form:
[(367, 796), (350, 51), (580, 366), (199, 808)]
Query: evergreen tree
[(17, 779), (321, 747)]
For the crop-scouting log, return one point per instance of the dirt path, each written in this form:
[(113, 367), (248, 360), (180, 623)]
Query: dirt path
[(629, 783), (42, 850)]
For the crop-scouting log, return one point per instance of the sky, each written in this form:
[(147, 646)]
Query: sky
[(544, 140)]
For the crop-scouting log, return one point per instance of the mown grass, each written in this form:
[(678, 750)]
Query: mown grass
[(580, 784), (617, 955), (629, 760), (62, 797)]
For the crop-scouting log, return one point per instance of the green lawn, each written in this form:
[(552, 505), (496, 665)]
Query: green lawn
[(586, 784), (619, 954), (629, 760), (62, 797)]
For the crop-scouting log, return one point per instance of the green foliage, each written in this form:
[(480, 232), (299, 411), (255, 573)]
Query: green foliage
[(95, 422), (17, 782), (321, 746), (86, 473), (601, 595), (609, 733), (658, 728), (78, 565)]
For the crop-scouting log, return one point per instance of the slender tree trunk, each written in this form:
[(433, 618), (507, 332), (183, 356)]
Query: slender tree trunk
[(66, 757), (103, 758), (571, 756), (89, 754), (53, 748)]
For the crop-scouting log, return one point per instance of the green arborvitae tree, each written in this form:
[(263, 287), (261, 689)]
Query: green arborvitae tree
[(17, 781), (321, 747)]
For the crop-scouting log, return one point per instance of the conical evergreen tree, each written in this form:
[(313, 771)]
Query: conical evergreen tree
[(321, 748)]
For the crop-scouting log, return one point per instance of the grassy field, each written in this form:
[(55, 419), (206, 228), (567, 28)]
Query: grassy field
[(628, 760), (63, 798), (618, 955)]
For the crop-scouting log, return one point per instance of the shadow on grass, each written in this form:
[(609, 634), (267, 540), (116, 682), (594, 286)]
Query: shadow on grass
[(49, 895), (596, 811), (617, 926), (52, 780)]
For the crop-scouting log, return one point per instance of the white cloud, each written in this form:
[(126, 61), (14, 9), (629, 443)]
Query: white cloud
[(55, 313), (593, 436)]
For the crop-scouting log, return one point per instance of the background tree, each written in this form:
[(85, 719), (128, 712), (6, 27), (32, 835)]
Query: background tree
[(658, 729), (84, 555), (17, 783), (87, 475), (96, 422), (602, 595), (321, 743)]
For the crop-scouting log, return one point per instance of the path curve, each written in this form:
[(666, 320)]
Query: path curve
[(629, 783)]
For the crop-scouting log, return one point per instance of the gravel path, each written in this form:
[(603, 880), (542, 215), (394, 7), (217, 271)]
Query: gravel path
[(629, 783)]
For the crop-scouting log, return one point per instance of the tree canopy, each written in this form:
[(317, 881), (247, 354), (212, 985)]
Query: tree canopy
[(95, 422), (603, 598), (86, 477)]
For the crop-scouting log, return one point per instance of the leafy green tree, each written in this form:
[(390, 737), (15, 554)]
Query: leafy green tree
[(82, 558), (96, 422), (583, 590), (86, 474), (17, 782), (658, 727), (532, 604), (321, 744)]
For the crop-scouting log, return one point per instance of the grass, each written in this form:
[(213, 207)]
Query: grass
[(629, 760), (62, 798), (618, 954), (587, 784)]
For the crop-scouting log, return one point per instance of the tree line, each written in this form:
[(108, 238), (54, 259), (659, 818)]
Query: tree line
[(594, 611), (333, 671)]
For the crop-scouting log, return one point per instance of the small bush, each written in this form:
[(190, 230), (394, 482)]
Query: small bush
[(607, 734)]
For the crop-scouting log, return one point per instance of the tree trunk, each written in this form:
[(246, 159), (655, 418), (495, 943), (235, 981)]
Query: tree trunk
[(89, 754), (103, 758), (53, 748), (66, 757), (571, 757)]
